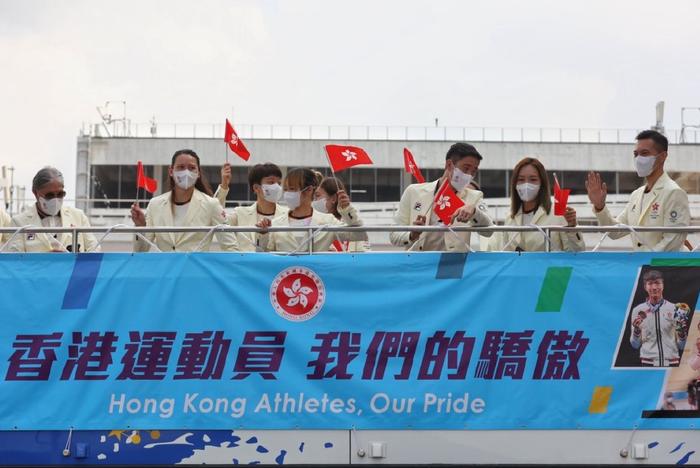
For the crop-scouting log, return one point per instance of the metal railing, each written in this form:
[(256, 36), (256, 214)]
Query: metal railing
[(546, 231), (385, 132)]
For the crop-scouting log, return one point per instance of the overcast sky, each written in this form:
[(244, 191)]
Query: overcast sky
[(592, 64)]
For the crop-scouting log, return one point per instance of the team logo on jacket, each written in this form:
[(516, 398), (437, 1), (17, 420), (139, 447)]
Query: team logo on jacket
[(297, 293)]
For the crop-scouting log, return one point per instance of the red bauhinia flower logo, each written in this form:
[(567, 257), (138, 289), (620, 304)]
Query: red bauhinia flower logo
[(297, 294)]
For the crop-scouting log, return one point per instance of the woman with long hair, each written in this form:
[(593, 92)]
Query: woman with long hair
[(531, 204), (299, 188), (188, 203)]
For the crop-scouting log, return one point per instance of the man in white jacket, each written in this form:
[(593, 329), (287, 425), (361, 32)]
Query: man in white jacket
[(265, 181), (416, 206), (659, 202)]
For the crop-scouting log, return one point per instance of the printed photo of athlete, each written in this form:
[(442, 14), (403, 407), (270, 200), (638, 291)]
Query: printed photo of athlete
[(659, 326)]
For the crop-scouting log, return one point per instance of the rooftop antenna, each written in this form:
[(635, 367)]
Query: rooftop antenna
[(659, 127), (107, 119), (154, 127)]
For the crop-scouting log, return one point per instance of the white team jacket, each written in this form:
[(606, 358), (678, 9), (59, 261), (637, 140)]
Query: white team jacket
[(417, 199), (657, 343), (534, 241), (288, 242), (665, 205), (70, 217), (248, 216), (203, 210), (5, 221)]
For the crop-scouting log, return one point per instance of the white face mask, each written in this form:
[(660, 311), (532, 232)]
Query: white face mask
[(319, 205), (527, 191), (185, 178), (271, 192), (292, 199), (460, 179), (51, 207), (644, 165)]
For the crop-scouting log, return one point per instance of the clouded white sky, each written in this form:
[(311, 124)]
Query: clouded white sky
[(537, 63)]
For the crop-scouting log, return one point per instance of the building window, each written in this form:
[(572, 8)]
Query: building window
[(116, 185), (493, 182), (361, 183), (388, 185), (576, 181)]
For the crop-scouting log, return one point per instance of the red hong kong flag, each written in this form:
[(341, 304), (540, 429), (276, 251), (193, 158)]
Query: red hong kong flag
[(235, 143), (561, 196), (342, 157), (150, 185), (446, 202), (411, 166)]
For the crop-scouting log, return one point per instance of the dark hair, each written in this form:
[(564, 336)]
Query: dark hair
[(652, 275), (659, 140), (258, 172), (44, 176), (543, 198), (301, 177), (462, 150), (202, 184), (331, 185)]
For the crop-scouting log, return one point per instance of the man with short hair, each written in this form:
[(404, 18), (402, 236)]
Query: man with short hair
[(265, 181), (49, 211), (416, 207), (659, 327), (660, 202)]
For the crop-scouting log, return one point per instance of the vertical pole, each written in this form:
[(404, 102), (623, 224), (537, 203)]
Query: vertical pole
[(547, 246), (74, 239), (311, 241)]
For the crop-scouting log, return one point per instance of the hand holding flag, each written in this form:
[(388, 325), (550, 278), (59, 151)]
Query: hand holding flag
[(343, 157), (235, 143), (446, 203), (411, 166), (561, 196), (147, 183)]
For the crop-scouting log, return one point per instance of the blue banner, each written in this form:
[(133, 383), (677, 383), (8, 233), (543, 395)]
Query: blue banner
[(372, 341)]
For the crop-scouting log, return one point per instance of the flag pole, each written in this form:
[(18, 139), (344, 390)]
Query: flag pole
[(337, 186), (137, 185)]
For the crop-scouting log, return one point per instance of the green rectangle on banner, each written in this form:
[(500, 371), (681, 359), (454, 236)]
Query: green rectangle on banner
[(553, 289), (676, 262)]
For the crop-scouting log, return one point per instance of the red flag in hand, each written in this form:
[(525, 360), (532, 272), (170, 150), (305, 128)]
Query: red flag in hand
[(446, 202), (343, 157), (411, 166), (560, 198), (235, 143), (150, 185)]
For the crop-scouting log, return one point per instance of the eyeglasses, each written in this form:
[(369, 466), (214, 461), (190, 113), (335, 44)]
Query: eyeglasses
[(52, 195)]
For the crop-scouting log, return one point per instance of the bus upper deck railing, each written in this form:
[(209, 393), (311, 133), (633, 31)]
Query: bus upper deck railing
[(545, 231)]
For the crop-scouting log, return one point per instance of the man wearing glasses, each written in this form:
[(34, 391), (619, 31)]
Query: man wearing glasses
[(49, 211)]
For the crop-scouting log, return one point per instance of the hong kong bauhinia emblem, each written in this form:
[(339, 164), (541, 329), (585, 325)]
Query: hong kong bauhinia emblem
[(297, 293)]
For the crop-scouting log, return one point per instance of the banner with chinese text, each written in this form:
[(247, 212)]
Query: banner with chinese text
[(374, 341)]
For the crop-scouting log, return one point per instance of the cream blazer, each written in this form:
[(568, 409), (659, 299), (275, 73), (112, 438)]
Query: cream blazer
[(287, 242), (534, 241), (5, 221), (248, 216), (70, 217), (417, 199), (203, 210), (665, 205)]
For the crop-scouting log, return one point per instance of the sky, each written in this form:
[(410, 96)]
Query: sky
[(494, 63)]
